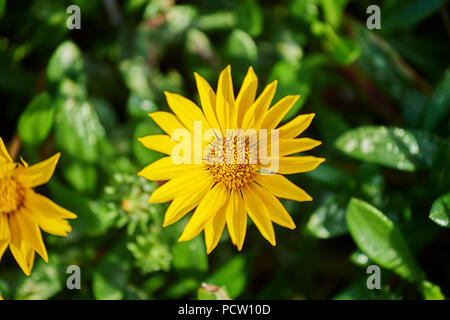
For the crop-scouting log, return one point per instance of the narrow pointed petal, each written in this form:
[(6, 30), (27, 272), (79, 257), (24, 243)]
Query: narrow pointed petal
[(165, 169), (214, 229), (296, 126), (208, 100), (4, 234), (259, 214), (247, 94), (282, 188), (277, 212), (278, 112), (208, 207), (184, 204), (225, 104), (160, 143), (48, 215), (166, 121), (186, 111), (291, 146), (40, 173), (255, 114), (236, 217), (22, 252), (4, 155), (29, 231), (180, 186), (291, 165)]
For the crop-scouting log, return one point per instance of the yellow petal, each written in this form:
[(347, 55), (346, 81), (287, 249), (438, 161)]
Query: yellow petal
[(180, 186), (278, 112), (48, 215), (277, 212), (282, 188), (257, 211), (40, 173), (166, 121), (225, 104), (291, 146), (160, 143), (214, 229), (186, 111), (22, 252), (208, 100), (290, 165), (296, 126), (4, 155), (247, 94), (236, 217), (182, 205), (4, 234), (29, 231), (255, 114), (165, 169), (208, 207)]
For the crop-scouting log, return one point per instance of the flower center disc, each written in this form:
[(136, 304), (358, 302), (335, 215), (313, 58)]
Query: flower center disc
[(11, 195), (232, 161)]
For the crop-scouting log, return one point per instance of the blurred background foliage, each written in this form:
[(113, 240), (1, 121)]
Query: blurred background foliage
[(381, 98)]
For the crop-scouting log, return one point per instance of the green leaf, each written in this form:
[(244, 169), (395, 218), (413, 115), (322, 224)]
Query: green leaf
[(328, 220), (376, 235), (45, 281), (405, 14), (439, 105), (36, 121), (430, 291), (440, 211), (66, 61), (190, 256), (82, 176), (241, 50), (250, 17), (138, 107), (333, 10), (78, 130), (406, 150), (136, 74), (111, 275), (233, 276)]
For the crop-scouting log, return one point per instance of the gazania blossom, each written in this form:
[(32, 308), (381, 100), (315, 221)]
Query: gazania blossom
[(23, 212), (225, 184)]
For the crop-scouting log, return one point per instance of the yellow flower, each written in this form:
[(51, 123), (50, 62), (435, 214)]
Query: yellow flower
[(23, 212), (224, 192)]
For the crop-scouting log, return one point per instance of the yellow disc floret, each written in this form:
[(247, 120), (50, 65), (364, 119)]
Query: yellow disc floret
[(232, 161), (11, 193)]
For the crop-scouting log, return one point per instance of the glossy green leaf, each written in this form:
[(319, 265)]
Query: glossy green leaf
[(190, 256), (66, 61), (78, 130), (406, 150), (111, 275), (430, 291), (36, 121), (232, 275), (405, 14), (328, 220), (381, 240), (438, 107), (440, 211)]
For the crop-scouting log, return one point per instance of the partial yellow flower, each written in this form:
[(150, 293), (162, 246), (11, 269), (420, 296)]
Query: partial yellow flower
[(23, 212), (226, 192)]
